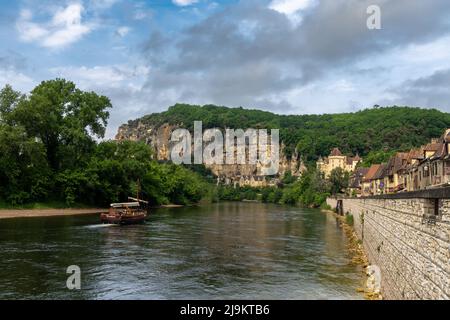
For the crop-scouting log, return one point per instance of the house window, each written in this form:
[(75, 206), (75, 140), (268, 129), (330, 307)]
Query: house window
[(431, 214)]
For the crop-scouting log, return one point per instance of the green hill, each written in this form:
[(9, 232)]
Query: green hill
[(376, 129)]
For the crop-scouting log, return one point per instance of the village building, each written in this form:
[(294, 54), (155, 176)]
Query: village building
[(434, 168), (394, 180), (422, 168), (366, 186), (337, 160), (412, 174), (378, 181), (356, 181)]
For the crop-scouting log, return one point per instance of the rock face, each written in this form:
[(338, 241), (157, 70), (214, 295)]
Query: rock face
[(158, 137)]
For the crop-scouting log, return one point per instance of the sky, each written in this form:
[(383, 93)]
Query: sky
[(283, 56)]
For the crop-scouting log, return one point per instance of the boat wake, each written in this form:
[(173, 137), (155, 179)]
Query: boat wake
[(97, 226)]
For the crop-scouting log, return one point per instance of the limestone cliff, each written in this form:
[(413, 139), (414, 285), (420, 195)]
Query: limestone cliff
[(158, 137)]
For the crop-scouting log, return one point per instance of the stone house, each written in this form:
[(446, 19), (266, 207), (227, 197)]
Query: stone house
[(423, 174), (394, 180), (356, 181), (412, 173), (422, 168), (366, 186), (378, 180), (434, 167)]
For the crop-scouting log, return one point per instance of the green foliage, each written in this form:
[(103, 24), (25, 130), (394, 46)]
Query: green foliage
[(370, 130), (376, 157), (49, 151), (271, 195), (288, 178), (231, 193), (311, 190), (339, 180), (24, 173), (48, 154), (64, 118), (349, 219)]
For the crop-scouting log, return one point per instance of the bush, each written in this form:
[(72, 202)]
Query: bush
[(349, 219)]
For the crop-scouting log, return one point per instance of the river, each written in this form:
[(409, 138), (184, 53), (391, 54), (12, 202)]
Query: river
[(217, 251)]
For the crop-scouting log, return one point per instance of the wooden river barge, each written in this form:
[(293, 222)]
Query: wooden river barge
[(125, 213)]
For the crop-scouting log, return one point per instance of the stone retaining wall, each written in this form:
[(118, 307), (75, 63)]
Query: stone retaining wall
[(412, 253)]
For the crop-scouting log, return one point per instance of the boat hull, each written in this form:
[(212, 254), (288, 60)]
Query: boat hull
[(123, 219)]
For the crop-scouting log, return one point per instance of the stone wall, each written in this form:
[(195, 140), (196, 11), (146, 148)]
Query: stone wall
[(413, 253)]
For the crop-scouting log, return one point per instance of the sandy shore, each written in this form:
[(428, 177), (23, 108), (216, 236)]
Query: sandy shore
[(5, 214)]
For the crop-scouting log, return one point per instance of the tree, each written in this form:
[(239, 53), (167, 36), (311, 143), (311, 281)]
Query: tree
[(376, 157), (8, 101), (24, 174), (339, 180), (64, 118)]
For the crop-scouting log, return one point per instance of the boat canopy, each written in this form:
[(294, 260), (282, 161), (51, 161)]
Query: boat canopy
[(125, 204)]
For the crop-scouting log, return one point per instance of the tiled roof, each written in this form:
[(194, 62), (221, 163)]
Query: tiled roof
[(381, 172), (398, 162), (361, 172), (432, 146), (441, 152), (415, 154), (371, 172)]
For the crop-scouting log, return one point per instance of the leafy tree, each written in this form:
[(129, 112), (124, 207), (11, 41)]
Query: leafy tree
[(64, 118), (8, 101), (376, 157), (288, 178), (339, 180), (24, 174)]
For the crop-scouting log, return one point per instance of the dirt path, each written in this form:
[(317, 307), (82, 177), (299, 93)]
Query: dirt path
[(5, 214)]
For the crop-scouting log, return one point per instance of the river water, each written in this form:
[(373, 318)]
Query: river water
[(217, 251)]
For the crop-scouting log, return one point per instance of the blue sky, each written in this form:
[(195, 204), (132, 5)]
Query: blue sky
[(284, 56)]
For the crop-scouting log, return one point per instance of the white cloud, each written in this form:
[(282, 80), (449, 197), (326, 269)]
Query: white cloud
[(123, 84), (103, 76), (15, 78), (290, 6), (123, 31), (28, 30), (183, 3), (64, 28)]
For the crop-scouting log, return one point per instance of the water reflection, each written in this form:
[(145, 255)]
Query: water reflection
[(218, 251)]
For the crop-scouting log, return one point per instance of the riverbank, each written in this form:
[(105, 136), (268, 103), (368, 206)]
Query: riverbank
[(54, 212), (30, 213), (358, 254)]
